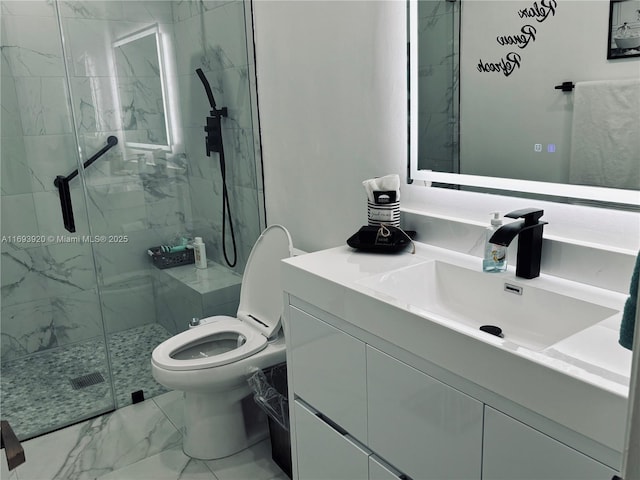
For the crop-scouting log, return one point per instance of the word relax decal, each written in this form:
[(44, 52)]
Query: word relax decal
[(540, 13)]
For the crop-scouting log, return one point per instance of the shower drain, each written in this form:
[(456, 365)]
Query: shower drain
[(85, 381)]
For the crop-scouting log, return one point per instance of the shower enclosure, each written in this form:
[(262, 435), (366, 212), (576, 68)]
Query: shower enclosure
[(81, 310)]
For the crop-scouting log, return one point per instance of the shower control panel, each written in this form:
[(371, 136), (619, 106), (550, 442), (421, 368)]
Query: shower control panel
[(214, 131)]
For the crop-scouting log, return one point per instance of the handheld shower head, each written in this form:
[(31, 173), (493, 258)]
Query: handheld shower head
[(207, 88)]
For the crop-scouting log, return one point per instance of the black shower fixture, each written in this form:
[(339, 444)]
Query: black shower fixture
[(213, 140), (213, 143)]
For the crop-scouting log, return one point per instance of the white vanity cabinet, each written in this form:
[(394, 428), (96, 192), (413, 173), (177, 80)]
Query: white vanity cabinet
[(324, 452), (515, 451), (419, 424), (328, 371), (355, 405), (375, 381), (350, 397)]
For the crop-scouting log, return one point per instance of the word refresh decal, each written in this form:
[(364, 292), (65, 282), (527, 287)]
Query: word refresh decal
[(512, 60), (506, 65)]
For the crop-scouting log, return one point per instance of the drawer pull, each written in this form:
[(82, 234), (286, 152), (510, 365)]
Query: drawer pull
[(332, 424)]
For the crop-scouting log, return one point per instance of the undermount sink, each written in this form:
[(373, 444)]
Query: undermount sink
[(528, 316)]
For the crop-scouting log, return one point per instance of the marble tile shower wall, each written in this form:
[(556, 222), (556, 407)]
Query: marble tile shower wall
[(211, 35), (437, 76), (129, 193), (58, 286)]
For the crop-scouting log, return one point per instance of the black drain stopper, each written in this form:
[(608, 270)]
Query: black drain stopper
[(493, 330)]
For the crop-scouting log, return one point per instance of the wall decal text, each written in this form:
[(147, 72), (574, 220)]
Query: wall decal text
[(506, 65), (527, 34), (540, 13)]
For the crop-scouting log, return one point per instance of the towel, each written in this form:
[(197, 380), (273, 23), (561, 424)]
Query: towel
[(605, 141), (388, 183), (627, 326)]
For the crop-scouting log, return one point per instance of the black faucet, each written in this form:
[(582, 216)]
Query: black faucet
[(529, 240)]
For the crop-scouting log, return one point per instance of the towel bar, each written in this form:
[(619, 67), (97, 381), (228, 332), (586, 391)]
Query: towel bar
[(565, 86)]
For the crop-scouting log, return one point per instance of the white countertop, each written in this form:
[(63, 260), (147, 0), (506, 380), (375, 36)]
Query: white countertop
[(580, 382)]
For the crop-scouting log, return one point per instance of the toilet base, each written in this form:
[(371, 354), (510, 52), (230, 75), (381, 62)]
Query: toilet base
[(220, 424)]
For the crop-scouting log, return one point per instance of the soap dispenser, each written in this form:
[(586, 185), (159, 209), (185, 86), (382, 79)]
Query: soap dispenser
[(495, 256)]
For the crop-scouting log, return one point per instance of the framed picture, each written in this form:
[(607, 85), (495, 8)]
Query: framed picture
[(624, 29)]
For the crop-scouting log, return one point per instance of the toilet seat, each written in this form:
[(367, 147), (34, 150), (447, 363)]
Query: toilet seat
[(163, 355), (261, 290)]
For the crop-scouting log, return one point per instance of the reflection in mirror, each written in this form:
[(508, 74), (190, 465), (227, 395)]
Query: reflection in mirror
[(485, 114), (141, 85), (437, 85)]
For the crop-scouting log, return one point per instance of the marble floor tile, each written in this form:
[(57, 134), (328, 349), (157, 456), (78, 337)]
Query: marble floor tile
[(172, 404), (170, 464), (254, 463), (137, 442), (100, 446), (5, 473)]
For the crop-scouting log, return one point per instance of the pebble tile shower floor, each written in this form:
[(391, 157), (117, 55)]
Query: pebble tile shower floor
[(37, 391)]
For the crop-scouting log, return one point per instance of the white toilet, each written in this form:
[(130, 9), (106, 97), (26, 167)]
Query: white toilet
[(211, 362)]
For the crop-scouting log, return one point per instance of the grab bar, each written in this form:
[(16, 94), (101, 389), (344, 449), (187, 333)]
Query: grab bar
[(62, 183)]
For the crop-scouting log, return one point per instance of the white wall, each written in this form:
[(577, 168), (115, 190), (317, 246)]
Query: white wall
[(332, 93), (332, 98)]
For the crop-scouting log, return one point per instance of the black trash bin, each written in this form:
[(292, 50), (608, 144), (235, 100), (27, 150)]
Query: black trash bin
[(270, 393)]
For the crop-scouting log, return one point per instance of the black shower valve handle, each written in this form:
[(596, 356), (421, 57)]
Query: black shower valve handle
[(213, 139), (220, 112)]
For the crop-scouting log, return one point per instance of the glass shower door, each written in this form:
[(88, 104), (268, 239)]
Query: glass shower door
[(54, 363), (138, 193)]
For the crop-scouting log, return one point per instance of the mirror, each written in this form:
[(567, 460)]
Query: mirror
[(141, 83), (485, 113)]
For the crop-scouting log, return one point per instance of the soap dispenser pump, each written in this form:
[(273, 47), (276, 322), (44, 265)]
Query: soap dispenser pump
[(495, 256)]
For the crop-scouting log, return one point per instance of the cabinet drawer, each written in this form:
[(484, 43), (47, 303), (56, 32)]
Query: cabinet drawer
[(328, 371), (324, 452), (515, 451), (420, 425)]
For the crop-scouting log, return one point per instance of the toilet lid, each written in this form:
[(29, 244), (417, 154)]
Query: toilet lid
[(177, 352), (261, 291)]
